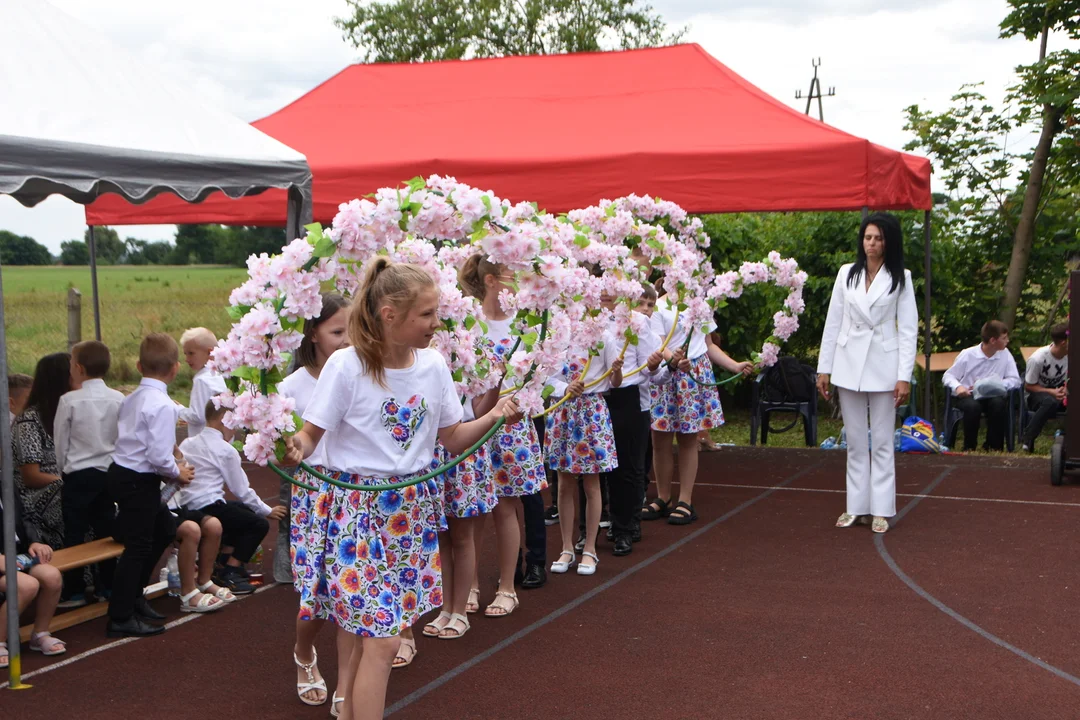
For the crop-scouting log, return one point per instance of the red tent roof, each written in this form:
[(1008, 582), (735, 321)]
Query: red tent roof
[(564, 131)]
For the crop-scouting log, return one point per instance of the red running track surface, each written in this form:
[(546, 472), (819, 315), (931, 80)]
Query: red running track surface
[(759, 610)]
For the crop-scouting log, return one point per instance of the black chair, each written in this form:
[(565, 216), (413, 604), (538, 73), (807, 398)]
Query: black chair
[(954, 416), (1026, 414), (762, 408)]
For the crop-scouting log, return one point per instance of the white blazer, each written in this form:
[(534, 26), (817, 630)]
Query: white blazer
[(870, 334)]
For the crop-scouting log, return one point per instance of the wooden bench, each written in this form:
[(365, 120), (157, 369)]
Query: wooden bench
[(80, 556)]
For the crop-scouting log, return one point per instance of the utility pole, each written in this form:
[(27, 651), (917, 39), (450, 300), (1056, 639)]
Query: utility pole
[(815, 92)]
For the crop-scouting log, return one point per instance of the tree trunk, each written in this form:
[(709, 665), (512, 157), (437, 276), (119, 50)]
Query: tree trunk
[(1025, 227)]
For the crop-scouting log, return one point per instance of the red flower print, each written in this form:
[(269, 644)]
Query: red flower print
[(399, 524)]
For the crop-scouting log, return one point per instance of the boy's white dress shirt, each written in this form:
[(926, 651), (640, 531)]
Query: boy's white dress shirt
[(217, 465), (85, 429), (205, 385), (146, 431)]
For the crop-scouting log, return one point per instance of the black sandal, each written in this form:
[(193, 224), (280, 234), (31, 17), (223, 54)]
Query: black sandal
[(655, 509), (682, 514)]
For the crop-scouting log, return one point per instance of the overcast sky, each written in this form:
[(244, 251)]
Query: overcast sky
[(254, 56)]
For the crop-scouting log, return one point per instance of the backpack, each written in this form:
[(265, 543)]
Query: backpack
[(788, 381)]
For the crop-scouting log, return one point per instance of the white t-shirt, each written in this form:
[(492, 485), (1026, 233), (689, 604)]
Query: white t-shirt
[(300, 386), (661, 321), (383, 431), (635, 357), (1045, 369), (205, 386)]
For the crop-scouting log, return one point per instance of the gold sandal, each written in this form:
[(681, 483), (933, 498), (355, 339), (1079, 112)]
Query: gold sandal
[(472, 605), (494, 610)]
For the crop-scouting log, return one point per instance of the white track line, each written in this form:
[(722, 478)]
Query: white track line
[(910, 495), (125, 641)]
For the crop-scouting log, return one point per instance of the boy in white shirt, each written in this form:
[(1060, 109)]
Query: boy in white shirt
[(84, 434), (217, 466), (1045, 381), (205, 385), (146, 441), (989, 360)]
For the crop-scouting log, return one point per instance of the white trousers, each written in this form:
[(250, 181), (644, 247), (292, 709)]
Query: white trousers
[(871, 471)]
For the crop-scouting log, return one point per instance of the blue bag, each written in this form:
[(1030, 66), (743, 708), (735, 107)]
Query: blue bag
[(917, 435)]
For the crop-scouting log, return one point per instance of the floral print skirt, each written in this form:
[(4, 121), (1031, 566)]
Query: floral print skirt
[(301, 514), (683, 406), (469, 486), (374, 555), (517, 462), (578, 437)]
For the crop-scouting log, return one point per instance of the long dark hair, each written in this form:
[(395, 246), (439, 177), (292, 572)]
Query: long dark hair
[(893, 236), (52, 378), (305, 354)]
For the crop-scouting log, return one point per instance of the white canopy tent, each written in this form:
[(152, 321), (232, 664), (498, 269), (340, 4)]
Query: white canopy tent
[(79, 118)]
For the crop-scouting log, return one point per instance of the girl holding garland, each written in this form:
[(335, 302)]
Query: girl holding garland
[(380, 406), (468, 495), (578, 440), (323, 335), (517, 464), (682, 407)]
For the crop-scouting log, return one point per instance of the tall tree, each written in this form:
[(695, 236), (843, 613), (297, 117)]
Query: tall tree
[(425, 30), (1054, 83), (22, 250), (74, 252), (110, 249), (197, 244)]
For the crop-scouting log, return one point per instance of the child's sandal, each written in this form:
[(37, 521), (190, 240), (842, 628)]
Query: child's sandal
[(46, 644), (654, 510), (4, 655), (408, 645), (206, 602), (223, 594), (472, 605), (435, 627), (457, 627), (494, 610)]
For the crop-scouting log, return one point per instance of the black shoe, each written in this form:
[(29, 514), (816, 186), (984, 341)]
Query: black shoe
[(610, 534), (535, 576), (231, 578), (551, 516), (132, 627), (635, 531), (623, 546), (144, 611), (519, 576), (579, 546)]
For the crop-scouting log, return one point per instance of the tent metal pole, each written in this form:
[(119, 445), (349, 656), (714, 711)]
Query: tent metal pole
[(7, 496), (865, 214), (93, 283), (927, 318)]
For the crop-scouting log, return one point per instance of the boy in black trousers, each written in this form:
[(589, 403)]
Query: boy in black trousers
[(144, 456)]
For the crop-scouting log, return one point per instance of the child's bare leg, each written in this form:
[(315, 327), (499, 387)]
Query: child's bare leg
[(568, 488), (593, 506), (27, 587), (368, 699), (458, 576), (478, 544), (688, 465), (350, 649), (306, 630), (508, 542), (50, 583), (188, 535), (208, 548)]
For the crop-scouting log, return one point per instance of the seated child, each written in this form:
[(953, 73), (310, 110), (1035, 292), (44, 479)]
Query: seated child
[(84, 434), (217, 465), (199, 538), (197, 344), (18, 391), (1045, 381), (37, 579)]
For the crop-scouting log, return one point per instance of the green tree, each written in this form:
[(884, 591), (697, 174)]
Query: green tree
[(110, 249), (242, 242), (197, 244), (74, 252), (970, 144), (144, 252), (22, 250), (425, 30)]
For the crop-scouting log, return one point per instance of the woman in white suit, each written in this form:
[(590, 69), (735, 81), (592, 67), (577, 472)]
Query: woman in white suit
[(868, 352)]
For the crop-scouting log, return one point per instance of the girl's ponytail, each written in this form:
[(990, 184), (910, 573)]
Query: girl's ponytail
[(472, 273)]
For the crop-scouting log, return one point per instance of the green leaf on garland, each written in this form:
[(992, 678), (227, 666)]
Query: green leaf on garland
[(470, 322), (237, 312), (631, 336), (581, 241), (529, 339), (246, 372), (547, 391), (487, 202)]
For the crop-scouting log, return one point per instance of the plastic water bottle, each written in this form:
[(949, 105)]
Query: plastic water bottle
[(173, 577)]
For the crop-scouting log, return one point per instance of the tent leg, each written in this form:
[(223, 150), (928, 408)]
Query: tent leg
[(7, 497), (299, 212), (93, 283), (927, 318)]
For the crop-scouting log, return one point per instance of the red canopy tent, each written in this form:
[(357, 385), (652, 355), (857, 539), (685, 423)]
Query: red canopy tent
[(564, 131)]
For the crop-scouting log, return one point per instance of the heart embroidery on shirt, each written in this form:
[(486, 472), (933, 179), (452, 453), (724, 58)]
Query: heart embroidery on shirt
[(402, 420)]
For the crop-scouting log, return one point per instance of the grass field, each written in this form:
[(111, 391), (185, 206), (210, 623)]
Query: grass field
[(135, 300)]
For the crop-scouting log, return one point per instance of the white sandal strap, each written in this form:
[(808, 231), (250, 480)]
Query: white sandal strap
[(589, 554)]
